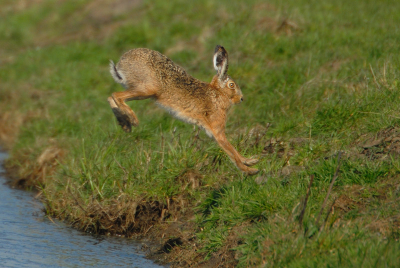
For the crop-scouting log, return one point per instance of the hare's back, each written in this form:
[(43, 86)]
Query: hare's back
[(146, 58), (147, 64)]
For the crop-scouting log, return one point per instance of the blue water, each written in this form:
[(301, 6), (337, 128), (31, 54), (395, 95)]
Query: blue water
[(29, 239)]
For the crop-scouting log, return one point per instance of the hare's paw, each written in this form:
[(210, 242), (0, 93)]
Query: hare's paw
[(123, 120), (250, 161), (251, 171), (132, 118), (126, 118)]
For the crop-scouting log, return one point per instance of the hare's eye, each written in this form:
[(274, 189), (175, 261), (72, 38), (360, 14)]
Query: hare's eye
[(231, 85)]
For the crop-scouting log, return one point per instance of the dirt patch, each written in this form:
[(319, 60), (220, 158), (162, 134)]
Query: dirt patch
[(388, 226), (283, 148), (385, 143), (381, 226), (284, 173), (378, 205), (345, 203)]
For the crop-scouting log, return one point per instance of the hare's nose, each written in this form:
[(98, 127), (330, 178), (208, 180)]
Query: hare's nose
[(241, 99)]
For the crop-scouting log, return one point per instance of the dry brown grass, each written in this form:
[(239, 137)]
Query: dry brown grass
[(33, 174), (10, 121)]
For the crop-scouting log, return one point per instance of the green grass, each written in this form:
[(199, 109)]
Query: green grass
[(330, 76)]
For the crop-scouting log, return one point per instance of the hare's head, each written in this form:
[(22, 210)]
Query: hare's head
[(222, 80)]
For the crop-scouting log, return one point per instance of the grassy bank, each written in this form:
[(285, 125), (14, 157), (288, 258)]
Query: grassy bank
[(321, 87)]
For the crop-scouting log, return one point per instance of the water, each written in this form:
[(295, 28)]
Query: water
[(29, 239)]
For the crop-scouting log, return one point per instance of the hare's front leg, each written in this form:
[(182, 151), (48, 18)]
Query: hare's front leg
[(234, 155), (124, 114)]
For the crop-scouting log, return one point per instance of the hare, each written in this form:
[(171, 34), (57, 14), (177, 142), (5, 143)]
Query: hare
[(146, 73)]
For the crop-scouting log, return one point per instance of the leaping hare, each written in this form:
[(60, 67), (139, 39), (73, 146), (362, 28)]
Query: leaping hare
[(145, 73)]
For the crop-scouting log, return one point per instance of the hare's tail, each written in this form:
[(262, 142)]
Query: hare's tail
[(118, 76)]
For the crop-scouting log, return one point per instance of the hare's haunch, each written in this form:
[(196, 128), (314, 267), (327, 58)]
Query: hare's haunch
[(145, 73)]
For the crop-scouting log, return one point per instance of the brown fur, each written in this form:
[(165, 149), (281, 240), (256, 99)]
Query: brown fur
[(149, 74)]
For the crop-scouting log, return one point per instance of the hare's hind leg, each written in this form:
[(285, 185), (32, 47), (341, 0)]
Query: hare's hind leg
[(124, 114), (124, 120)]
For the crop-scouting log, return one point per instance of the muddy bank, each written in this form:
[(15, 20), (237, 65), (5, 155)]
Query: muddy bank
[(39, 241)]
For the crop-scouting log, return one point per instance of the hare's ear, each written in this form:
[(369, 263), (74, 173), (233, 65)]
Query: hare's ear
[(221, 62)]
